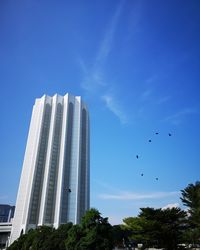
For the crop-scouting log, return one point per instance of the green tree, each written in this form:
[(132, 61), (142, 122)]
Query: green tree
[(136, 225), (120, 234), (18, 244), (74, 236), (191, 199), (158, 227), (38, 237), (35, 239), (57, 238), (94, 232), (165, 226), (91, 218)]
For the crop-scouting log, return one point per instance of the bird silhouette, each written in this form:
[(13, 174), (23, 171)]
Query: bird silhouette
[(137, 156), (170, 134), (156, 133), (142, 174), (149, 140), (157, 179), (69, 190)]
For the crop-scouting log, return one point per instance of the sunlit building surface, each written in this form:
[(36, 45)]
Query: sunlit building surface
[(54, 184)]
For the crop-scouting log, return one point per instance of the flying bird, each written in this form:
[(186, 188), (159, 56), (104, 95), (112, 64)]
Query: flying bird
[(69, 190), (170, 134), (157, 179), (142, 174), (156, 133), (137, 156), (149, 140)]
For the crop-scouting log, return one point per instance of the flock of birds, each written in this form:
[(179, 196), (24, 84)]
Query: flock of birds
[(137, 156)]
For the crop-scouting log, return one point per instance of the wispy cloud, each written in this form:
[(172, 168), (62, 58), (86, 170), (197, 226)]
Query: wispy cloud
[(113, 106), (146, 94), (94, 77), (164, 99), (177, 117), (106, 44), (104, 185), (138, 196), (151, 79), (134, 20), (3, 197), (94, 80)]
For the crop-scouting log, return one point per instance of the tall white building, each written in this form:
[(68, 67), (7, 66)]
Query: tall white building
[(54, 184)]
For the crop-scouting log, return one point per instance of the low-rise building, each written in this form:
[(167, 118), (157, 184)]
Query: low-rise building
[(6, 215)]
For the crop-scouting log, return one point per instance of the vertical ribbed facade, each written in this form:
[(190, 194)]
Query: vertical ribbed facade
[(54, 184)]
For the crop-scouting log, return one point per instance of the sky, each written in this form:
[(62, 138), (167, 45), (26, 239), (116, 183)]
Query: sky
[(136, 65)]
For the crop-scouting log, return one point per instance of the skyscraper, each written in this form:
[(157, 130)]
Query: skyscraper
[(54, 184)]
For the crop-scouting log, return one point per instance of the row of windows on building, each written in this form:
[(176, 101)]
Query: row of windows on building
[(54, 161)]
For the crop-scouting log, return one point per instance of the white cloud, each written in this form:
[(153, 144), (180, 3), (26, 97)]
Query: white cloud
[(177, 117), (137, 196), (113, 106), (171, 206), (115, 220)]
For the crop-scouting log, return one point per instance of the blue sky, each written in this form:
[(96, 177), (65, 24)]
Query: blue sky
[(136, 65)]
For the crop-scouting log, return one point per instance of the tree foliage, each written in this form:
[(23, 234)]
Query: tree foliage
[(164, 225), (94, 232), (120, 234), (191, 199), (19, 243), (57, 238), (35, 239), (163, 228)]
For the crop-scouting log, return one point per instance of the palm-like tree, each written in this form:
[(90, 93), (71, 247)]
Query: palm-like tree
[(191, 199)]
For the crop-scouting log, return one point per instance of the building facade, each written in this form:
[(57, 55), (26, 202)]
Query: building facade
[(6, 215), (54, 184)]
